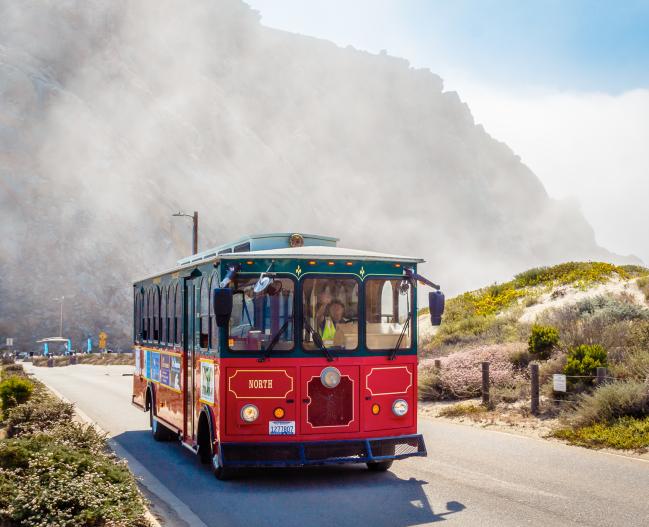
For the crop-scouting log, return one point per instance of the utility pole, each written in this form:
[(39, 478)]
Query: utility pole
[(194, 218), (61, 320)]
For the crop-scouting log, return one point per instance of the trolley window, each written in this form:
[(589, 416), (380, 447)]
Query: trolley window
[(388, 314), (330, 308), (257, 318)]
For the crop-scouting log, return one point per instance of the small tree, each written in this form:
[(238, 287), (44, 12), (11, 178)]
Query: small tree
[(584, 360), (542, 340)]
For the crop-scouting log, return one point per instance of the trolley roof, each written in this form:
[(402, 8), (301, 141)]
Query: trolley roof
[(315, 247)]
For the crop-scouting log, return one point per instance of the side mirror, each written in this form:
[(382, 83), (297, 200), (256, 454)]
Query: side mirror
[(222, 305), (436, 306)]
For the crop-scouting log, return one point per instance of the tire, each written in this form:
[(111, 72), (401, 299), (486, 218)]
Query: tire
[(379, 466), (222, 473), (159, 431)]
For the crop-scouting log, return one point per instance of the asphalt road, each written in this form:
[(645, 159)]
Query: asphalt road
[(471, 476)]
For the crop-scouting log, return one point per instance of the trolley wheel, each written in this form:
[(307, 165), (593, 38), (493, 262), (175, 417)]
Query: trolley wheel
[(159, 431), (222, 473), (379, 466)]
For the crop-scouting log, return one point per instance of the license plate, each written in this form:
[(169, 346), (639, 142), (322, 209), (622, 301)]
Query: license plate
[(281, 428)]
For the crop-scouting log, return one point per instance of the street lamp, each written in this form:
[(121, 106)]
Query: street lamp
[(195, 232), (61, 299)]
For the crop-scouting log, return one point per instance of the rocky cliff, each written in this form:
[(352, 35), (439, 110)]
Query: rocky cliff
[(115, 115)]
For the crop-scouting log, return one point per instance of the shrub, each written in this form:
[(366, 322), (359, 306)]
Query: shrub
[(542, 340), (461, 375), (45, 483), (584, 360), (38, 415), (14, 391), (625, 433), (643, 285), (612, 401), (462, 409), (13, 369), (520, 358), (579, 273)]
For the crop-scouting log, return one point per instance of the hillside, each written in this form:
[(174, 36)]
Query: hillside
[(570, 319), (115, 115), (504, 312)]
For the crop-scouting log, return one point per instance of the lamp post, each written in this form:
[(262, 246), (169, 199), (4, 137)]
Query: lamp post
[(195, 229), (61, 299)]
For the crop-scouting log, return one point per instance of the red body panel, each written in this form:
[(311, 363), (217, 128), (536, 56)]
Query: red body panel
[(284, 382)]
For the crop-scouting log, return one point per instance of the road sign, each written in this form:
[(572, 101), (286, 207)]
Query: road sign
[(559, 382), (10, 342), (102, 339)]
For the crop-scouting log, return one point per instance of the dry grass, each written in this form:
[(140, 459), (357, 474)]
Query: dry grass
[(463, 410)]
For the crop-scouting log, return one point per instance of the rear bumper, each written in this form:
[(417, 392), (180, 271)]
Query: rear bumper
[(298, 454)]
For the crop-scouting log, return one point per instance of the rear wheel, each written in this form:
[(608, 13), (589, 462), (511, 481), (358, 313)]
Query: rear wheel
[(159, 431), (379, 466), (381, 450)]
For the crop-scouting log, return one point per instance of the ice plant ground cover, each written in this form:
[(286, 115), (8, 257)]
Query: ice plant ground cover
[(57, 472)]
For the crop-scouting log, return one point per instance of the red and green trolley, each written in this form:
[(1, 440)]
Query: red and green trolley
[(282, 350)]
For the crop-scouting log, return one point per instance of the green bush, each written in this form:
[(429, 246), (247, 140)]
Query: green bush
[(15, 390), (44, 483), (38, 415), (584, 360), (625, 433), (612, 401), (542, 340)]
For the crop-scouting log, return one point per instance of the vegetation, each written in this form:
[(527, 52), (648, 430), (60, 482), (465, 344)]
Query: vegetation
[(542, 340), (643, 285), (583, 360), (460, 376), (610, 330), (14, 390), (57, 472), (484, 316), (625, 433), (103, 359), (612, 401), (463, 409)]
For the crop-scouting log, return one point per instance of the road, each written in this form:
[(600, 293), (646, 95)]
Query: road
[(471, 476)]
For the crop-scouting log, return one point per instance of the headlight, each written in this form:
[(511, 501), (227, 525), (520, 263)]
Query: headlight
[(330, 377), (399, 407), (249, 413)]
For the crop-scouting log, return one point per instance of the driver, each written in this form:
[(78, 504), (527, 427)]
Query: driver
[(336, 312)]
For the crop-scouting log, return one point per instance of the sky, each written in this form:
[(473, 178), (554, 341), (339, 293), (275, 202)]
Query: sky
[(564, 83)]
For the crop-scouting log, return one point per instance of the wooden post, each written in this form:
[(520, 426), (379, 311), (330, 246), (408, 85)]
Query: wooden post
[(534, 373), (438, 364), (601, 376), (50, 362), (485, 383)]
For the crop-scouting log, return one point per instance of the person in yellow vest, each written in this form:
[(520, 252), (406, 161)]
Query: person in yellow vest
[(336, 312)]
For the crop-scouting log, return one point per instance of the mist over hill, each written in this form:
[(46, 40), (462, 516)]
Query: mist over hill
[(115, 115)]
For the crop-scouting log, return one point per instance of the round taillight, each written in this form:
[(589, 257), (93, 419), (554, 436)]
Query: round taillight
[(279, 413), (376, 409)]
